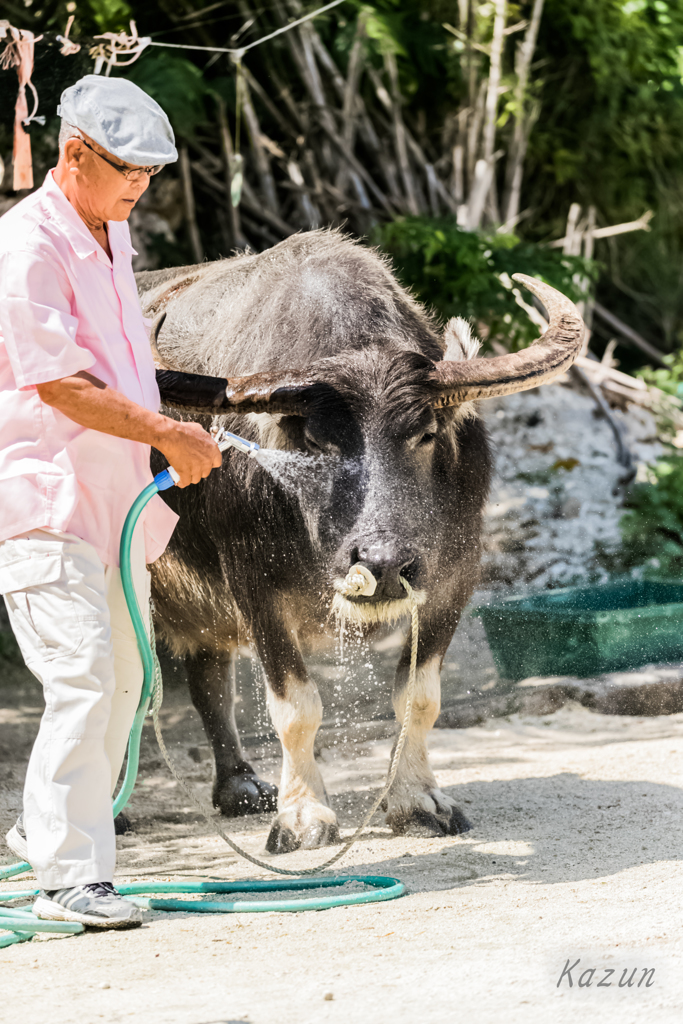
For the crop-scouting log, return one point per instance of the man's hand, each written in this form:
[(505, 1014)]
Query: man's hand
[(190, 450), (89, 402)]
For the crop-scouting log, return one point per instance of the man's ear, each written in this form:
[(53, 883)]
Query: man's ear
[(74, 152)]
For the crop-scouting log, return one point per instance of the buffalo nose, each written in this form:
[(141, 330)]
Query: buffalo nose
[(387, 562)]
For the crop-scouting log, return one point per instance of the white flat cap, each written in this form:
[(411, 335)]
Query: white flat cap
[(122, 118)]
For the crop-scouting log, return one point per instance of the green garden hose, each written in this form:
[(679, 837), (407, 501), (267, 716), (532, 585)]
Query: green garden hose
[(22, 925)]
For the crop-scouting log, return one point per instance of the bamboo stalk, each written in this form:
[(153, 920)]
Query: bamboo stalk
[(305, 58), (458, 156), (383, 156), (520, 134), (600, 372), (458, 167), (327, 61), (491, 108), (434, 183), (302, 50), (322, 198), (190, 210), (572, 237), (310, 215), (492, 92), (350, 100), (473, 131), (642, 224), (261, 158), (363, 173), (481, 187), (260, 232), (285, 93), (274, 111), (237, 239), (249, 201), (409, 188), (587, 240), (628, 332), (432, 190)]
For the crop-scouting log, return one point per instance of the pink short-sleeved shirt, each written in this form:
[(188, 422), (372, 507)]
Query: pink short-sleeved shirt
[(65, 307)]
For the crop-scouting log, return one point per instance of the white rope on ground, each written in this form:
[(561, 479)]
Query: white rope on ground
[(207, 812)]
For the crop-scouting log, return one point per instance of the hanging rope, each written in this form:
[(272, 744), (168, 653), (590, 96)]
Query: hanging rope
[(118, 44), (19, 54), (68, 47), (238, 52)]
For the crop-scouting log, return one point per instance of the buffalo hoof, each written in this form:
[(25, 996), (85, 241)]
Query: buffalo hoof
[(122, 824), (435, 812), (288, 833), (245, 794), (440, 825)]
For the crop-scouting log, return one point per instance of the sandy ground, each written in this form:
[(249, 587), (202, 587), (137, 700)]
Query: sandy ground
[(575, 855)]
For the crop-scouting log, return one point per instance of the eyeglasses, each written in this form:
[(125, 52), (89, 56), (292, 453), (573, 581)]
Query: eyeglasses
[(130, 173)]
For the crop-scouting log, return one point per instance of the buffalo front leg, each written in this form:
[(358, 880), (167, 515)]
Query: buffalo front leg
[(305, 819), (237, 789), (415, 796)]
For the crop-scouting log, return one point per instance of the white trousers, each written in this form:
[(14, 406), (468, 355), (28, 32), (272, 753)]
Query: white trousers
[(71, 621)]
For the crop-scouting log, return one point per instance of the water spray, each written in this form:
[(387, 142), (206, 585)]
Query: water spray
[(22, 924)]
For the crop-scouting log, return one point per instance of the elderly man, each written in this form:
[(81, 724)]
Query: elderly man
[(79, 410)]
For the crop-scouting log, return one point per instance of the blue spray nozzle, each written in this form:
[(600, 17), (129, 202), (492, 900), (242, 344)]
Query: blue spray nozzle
[(224, 439), (165, 479)]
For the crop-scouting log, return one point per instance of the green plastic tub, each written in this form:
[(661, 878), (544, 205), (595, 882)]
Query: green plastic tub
[(584, 631)]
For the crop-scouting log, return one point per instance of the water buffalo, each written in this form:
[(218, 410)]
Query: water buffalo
[(326, 354)]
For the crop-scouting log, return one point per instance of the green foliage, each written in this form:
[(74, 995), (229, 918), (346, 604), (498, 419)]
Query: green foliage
[(669, 379), (652, 529), (649, 271), (458, 272), (612, 116), (110, 15), (177, 85)]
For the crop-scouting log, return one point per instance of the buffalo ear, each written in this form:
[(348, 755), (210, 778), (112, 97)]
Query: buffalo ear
[(459, 340)]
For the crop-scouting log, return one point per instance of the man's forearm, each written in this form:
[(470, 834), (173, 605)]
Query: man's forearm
[(90, 403), (87, 401)]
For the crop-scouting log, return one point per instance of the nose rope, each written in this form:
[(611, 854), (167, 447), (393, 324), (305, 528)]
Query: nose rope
[(359, 582), (207, 812)]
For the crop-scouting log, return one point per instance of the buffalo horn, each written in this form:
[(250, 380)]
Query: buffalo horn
[(159, 360), (259, 392), (552, 354)]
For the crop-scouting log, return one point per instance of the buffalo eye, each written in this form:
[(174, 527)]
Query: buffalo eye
[(317, 445), (312, 444)]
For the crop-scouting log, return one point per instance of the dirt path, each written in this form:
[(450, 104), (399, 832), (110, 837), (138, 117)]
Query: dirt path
[(575, 855)]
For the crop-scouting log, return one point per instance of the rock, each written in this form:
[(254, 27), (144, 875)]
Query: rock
[(557, 495)]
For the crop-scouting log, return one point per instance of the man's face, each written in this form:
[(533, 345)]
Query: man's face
[(103, 191)]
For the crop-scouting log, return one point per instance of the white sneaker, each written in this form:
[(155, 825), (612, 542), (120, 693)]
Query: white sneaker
[(16, 839), (97, 904)]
